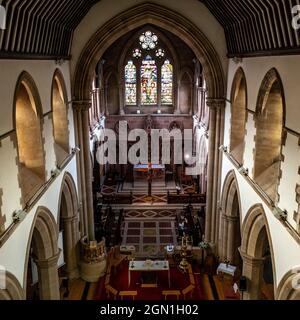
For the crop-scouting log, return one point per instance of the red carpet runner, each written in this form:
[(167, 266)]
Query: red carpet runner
[(179, 281)]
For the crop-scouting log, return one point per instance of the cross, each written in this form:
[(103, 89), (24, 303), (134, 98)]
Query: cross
[(150, 175)]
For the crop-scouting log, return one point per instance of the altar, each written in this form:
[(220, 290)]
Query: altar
[(148, 266), (143, 172)]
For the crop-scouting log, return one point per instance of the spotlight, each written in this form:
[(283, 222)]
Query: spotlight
[(19, 215), (223, 148), (75, 150), (55, 172), (280, 214)]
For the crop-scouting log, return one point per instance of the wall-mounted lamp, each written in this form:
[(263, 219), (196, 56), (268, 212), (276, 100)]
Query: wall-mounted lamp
[(243, 171), (59, 61), (280, 214), (75, 150), (223, 149), (19, 215), (55, 173)]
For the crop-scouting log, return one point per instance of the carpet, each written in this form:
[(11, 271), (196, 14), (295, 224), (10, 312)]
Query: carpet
[(179, 281)]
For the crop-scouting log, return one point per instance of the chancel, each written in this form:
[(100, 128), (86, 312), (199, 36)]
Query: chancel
[(149, 150)]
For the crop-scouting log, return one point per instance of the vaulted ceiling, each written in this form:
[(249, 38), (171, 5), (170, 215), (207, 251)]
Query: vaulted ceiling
[(41, 27), (257, 27), (44, 28)]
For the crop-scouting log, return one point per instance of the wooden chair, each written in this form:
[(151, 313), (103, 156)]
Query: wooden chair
[(188, 290), (107, 279), (132, 294), (192, 279), (167, 293), (115, 258), (110, 290)]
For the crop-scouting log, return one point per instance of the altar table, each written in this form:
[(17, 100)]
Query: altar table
[(147, 266), (141, 174)]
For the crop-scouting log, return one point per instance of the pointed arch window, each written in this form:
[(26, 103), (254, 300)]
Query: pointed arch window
[(130, 83), (149, 81), (149, 73), (167, 83)]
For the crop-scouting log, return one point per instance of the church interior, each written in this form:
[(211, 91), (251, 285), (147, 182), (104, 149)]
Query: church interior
[(91, 208)]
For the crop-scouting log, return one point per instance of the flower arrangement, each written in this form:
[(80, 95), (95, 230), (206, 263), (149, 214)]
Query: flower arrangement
[(204, 245)]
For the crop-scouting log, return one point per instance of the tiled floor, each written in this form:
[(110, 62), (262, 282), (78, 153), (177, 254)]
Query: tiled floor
[(149, 237)]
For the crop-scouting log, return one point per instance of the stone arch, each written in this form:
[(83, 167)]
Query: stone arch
[(238, 116), (255, 236), (112, 93), (230, 230), (185, 84), (28, 123), (269, 120), (43, 242), (289, 286), (68, 223), (60, 117), (14, 290), (148, 13)]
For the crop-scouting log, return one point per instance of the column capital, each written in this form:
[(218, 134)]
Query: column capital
[(69, 219), (48, 263), (230, 218), (215, 103), (201, 89), (82, 105), (249, 260)]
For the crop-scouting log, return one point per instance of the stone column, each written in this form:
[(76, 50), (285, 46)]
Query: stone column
[(121, 99), (177, 107), (223, 238), (82, 109), (231, 222), (253, 271), (216, 107), (79, 163), (201, 102), (106, 111), (48, 278), (71, 239)]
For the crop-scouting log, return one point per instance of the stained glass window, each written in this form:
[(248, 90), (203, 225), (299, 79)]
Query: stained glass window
[(137, 53), (148, 40), (167, 83), (160, 53), (149, 81), (130, 83)]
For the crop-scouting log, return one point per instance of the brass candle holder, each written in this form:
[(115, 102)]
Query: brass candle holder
[(184, 263)]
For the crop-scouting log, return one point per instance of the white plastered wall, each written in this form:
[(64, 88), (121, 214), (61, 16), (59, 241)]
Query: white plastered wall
[(13, 252), (286, 249)]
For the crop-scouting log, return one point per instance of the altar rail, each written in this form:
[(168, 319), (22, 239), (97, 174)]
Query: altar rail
[(117, 198), (186, 198)]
